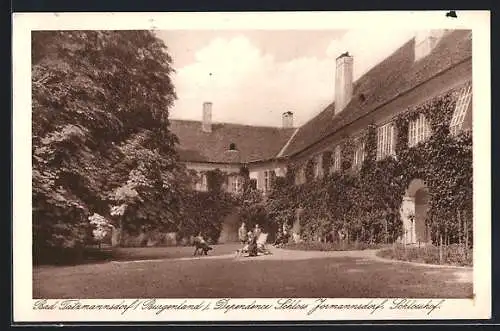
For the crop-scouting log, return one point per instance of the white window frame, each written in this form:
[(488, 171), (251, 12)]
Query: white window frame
[(461, 107), (418, 130), (336, 159), (203, 182), (300, 176), (318, 165), (385, 141), (359, 154), (236, 184)]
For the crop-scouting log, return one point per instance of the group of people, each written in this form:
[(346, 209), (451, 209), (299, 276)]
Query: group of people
[(249, 238), (282, 237)]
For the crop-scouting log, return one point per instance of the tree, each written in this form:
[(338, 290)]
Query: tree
[(101, 135)]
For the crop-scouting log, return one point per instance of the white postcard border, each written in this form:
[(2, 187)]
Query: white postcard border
[(23, 23)]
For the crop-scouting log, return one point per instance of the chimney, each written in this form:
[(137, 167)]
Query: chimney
[(287, 120), (425, 41), (206, 125), (343, 81)]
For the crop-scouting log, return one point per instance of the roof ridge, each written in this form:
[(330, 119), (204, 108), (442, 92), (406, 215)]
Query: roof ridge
[(231, 123), (377, 106), (451, 44), (283, 149)]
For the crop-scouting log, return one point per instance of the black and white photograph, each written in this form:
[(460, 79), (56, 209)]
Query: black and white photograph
[(236, 169)]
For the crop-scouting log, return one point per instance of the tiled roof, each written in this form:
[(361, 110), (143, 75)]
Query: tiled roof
[(253, 143), (395, 75)]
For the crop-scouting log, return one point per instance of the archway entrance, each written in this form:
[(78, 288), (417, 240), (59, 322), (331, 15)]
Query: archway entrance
[(230, 226), (413, 213)]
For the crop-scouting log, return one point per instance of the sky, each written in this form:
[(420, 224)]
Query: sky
[(252, 77)]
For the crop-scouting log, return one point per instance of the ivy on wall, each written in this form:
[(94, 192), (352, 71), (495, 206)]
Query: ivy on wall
[(366, 203)]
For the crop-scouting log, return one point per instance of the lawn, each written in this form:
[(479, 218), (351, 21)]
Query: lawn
[(146, 253), (107, 254), (337, 277)]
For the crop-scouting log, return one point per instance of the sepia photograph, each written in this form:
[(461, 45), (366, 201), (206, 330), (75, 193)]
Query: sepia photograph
[(238, 162)]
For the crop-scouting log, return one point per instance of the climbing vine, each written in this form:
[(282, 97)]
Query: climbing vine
[(366, 203)]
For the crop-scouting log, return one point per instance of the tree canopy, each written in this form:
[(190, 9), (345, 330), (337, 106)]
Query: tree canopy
[(100, 136)]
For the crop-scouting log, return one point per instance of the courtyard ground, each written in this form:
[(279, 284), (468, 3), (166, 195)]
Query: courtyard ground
[(285, 273)]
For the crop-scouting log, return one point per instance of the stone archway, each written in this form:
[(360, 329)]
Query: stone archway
[(230, 226), (413, 213), (295, 230)]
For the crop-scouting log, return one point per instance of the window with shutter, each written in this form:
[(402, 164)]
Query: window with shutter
[(336, 160), (418, 130), (359, 154), (385, 141), (461, 107)]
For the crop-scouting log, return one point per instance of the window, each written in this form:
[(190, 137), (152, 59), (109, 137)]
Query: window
[(300, 177), (359, 154), (336, 160), (461, 107), (418, 130), (232, 146), (385, 141), (202, 185), (318, 166), (268, 179), (236, 184)]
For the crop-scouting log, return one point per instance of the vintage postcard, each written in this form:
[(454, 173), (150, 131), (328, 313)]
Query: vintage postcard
[(251, 166)]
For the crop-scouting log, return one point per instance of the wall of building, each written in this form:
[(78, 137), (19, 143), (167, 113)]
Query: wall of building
[(257, 170), (228, 168)]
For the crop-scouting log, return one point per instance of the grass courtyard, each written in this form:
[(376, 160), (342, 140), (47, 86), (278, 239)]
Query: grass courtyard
[(286, 273)]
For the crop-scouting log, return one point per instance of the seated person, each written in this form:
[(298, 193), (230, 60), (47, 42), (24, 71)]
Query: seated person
[(252, 245), (201, 245)]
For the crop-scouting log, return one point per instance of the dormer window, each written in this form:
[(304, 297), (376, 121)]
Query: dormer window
[(362, 98), (232, 147)]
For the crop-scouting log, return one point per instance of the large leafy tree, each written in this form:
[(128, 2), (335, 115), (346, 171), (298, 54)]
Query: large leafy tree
[(100, 134)]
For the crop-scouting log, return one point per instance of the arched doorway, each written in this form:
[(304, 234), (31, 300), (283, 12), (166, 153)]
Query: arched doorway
[(295, 230), (230, 226), (413, 213)]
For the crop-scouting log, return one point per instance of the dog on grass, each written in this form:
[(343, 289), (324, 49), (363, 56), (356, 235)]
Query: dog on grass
[(201, 247)]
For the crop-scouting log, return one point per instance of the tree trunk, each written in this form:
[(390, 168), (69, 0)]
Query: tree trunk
[(120, 232), (386, 235), (466, 238), (445, 239), (440, 249), (459, 229)]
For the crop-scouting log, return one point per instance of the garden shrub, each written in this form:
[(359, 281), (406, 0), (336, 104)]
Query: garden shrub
[(452, 254), (336, 246)]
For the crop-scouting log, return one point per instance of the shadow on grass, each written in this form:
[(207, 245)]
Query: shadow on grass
[(247, 278), (90, 255)]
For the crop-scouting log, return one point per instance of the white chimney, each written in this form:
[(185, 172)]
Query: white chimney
[(206, 125), (343, 81), (425, 41), (287, 120)]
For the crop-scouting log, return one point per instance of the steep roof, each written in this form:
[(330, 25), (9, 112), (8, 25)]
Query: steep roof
[(395, 75), (253, 143)]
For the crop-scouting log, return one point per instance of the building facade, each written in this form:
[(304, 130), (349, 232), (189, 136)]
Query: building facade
[(427, 66)]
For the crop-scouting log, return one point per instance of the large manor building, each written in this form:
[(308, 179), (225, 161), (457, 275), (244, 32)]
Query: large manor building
[(431, 64)]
